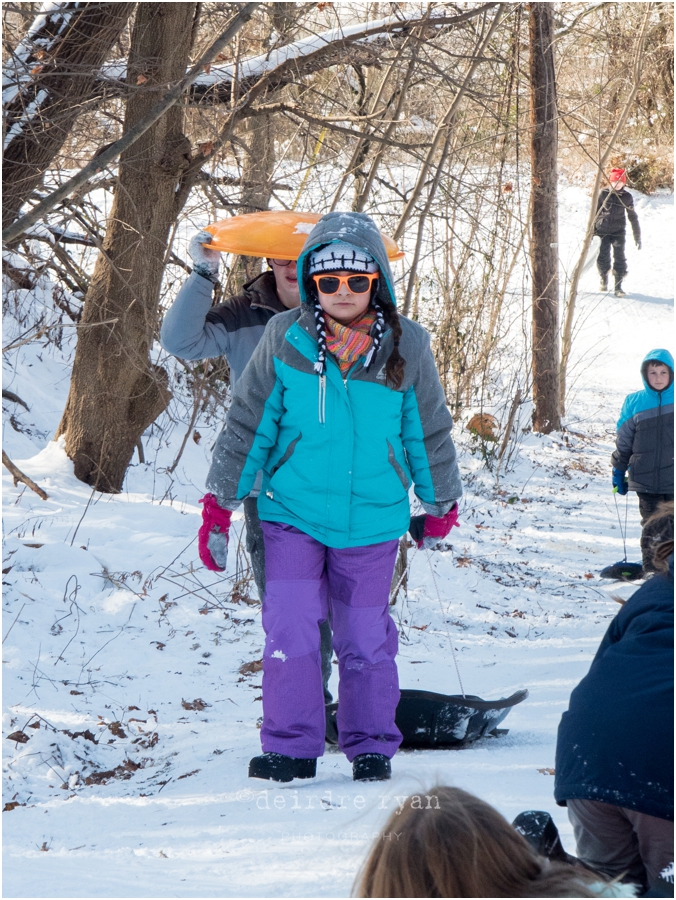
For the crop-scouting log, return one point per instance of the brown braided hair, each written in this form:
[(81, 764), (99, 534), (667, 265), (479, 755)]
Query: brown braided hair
[(394, 368)]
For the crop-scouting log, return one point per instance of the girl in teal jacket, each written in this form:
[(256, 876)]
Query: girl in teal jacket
[(342, 410)]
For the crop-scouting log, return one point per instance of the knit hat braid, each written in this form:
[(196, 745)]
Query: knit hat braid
[(320, 323), (378, 328)]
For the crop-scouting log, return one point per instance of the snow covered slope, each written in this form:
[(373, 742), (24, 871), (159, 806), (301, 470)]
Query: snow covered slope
[(122, 655)]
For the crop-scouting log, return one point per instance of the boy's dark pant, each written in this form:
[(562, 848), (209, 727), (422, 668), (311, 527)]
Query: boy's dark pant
[(256, 549), (621, 842), (647, 504), (616, 242)]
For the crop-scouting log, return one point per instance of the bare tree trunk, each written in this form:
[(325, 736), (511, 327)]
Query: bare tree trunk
[(544, 248), (567, 337), (257, 172), (258, 135), (46, 81), (115, 392)]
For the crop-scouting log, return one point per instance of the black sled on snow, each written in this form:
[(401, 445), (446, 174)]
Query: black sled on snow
[(623, 571), (430, 721)]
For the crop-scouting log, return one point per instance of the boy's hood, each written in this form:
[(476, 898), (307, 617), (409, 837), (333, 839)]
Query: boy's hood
[(661, 356), (355, 228)]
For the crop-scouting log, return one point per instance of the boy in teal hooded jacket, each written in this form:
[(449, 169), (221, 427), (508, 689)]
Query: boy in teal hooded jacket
[(342, 410), (645, 441)]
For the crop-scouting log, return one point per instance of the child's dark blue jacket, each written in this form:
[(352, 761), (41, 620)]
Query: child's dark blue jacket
[(615, 742), (645, 434)]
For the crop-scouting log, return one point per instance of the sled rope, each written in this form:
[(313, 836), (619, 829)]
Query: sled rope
[(443, 615), (623, 531)]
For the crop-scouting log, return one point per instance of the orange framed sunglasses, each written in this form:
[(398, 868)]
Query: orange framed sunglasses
[(356, 284)]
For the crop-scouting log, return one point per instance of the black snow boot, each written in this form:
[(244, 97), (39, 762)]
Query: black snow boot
[(542, 834), (371, 767), (618, 288), (603, 283), (277, 767)]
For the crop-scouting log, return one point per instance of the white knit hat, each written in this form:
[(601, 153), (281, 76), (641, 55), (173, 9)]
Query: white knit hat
[(340, 256)]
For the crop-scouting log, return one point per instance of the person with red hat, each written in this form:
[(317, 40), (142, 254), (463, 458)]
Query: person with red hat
[(615, 205)]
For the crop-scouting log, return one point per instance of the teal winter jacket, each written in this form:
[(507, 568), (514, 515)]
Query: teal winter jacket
[(645, 433), (338, 453)]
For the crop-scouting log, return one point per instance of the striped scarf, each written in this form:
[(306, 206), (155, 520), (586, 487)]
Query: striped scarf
[(348, 342)]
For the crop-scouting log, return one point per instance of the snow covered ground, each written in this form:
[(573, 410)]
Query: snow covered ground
[(122, 655)]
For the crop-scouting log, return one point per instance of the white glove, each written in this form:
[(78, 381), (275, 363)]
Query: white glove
[(206, 261), (218, 547)]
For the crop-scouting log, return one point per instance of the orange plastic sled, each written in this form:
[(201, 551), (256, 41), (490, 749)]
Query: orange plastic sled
[(277, 234)]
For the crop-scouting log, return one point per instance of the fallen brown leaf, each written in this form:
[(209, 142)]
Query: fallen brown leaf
[(251, 668), (19, 737), (197, 704), (87, 735)]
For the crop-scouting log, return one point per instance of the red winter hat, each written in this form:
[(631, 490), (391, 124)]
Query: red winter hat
[(618, 175)]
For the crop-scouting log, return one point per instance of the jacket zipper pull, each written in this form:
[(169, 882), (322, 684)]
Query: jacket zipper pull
[(322, 399)]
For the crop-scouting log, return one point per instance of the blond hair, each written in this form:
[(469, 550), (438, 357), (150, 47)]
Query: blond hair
[(455, 845)]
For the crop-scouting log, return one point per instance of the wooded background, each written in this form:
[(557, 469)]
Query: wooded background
[(127, 126)]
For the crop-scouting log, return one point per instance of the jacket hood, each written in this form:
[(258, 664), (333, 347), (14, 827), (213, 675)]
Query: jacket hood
[(355, 228), (661, 356)]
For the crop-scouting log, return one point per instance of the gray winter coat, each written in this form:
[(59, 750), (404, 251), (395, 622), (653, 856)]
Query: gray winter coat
[(193, 329)]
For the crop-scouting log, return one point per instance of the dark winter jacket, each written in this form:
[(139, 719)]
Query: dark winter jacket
[(645, 433), (615, 742), (192, 329), (611, 208), (338, 452)]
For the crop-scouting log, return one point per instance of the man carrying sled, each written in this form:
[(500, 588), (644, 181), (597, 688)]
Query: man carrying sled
[(194, 329)]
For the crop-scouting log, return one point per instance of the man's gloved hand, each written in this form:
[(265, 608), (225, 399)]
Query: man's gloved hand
[(212, 538), (206, 261), (428, 531), (620, 482)]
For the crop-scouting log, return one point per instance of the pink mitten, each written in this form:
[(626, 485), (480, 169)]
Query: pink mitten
[(437, 528), (212, 538)]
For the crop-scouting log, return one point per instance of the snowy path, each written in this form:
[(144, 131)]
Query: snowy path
[(108, 641)]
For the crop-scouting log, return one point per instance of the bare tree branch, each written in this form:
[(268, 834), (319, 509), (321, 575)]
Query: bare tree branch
[(19, 476), (102, 160)]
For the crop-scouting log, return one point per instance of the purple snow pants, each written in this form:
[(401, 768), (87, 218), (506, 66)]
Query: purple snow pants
[(301, 575)]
